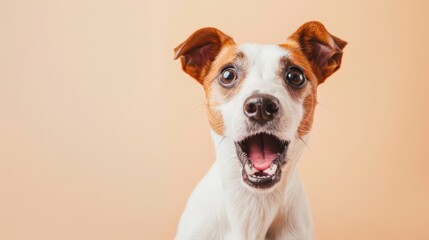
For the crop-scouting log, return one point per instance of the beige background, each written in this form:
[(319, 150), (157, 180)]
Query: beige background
[(103, 137)]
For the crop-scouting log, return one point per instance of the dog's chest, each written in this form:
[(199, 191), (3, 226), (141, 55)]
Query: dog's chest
[(250, 216)]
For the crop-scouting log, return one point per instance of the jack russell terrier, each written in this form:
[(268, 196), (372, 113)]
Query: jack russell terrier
[(260, 101)]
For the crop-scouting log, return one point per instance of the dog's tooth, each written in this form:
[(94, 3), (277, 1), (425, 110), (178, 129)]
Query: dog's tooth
[(272, 169), (251, 178), (249, 169)]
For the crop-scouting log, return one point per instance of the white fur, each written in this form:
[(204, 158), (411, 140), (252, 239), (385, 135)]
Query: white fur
[(222, 206)]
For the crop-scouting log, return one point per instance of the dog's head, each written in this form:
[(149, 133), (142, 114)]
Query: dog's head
[(261, 97)]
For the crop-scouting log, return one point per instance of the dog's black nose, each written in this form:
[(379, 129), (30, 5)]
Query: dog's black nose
[(261, 108)]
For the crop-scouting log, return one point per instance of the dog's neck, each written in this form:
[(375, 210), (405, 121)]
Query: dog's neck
[(246, 208)]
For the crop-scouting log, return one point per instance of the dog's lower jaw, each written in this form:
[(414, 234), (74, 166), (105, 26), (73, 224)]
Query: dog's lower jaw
[(223, 207)]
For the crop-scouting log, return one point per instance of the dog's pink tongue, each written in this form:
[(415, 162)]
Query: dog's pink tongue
[(262, 151)]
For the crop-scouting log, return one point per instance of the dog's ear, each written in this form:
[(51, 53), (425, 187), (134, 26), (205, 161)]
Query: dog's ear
[(200, 50), (323, 50)]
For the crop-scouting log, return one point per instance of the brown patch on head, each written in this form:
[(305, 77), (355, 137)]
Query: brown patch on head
[(200, 49), (217, 94), (306, 95), (322, 49), (318, 54), (204, 55)]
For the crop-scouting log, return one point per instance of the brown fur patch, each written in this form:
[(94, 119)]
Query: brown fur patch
[(200, 49), (203, 56), (323, 50), (217, 94), (319, 53), (306, 95)]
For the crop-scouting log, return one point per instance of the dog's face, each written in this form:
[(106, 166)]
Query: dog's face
[(261, 97)]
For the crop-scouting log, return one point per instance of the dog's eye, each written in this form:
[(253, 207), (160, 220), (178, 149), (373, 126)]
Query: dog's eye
[(228, 77), (295, 77)]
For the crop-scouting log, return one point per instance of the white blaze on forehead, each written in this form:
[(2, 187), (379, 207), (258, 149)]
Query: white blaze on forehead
[(262, 68), (263, 59)]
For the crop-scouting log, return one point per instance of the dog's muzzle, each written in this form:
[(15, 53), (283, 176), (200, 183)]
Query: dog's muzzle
[(262, 154)]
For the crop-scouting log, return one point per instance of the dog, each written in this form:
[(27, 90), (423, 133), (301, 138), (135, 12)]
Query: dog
[(260, 101)]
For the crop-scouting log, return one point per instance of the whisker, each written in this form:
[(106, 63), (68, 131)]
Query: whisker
[(306, 145), (195, 108), (217, 145), (330, 110)]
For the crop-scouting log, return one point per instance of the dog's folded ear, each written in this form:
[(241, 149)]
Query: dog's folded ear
[(322, 49), (200, 50)]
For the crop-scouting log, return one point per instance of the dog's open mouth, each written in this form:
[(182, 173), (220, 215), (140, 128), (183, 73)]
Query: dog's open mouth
[(262, 156)]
